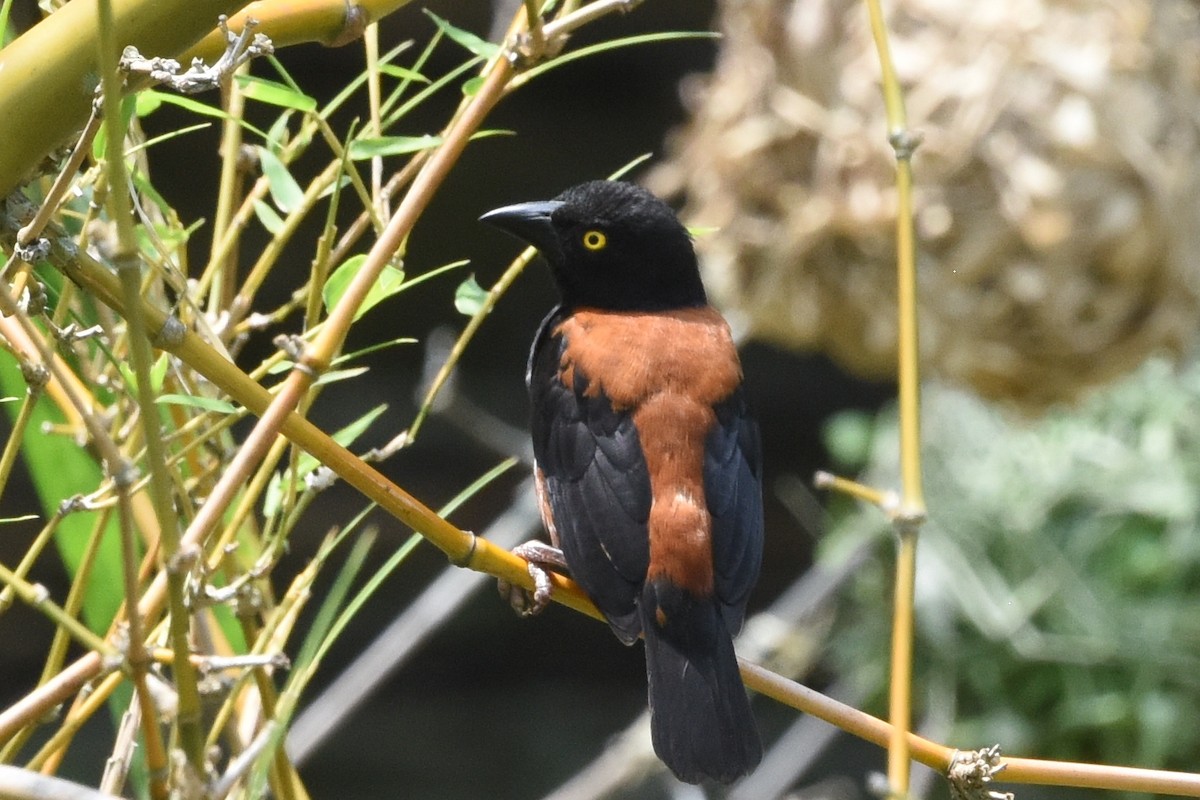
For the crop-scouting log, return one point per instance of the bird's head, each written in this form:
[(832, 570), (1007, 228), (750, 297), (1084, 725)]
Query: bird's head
[(610, 245)]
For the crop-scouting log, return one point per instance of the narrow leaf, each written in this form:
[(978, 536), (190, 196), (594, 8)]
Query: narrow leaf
[(158, 373), (361, 149), (268, 217), (403, 73), (391, 146), (199, 126), (476, 45), (335, 375), (348, 357), (277, 134), (149, 100), (274, 93), (286, 193), (194, 401), (614, 44)]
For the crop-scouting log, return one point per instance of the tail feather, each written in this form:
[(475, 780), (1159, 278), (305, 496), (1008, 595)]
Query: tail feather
[(700, 719)]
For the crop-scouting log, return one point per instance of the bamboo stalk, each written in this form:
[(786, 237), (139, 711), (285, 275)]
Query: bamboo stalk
[(911, 513), (48, 74)]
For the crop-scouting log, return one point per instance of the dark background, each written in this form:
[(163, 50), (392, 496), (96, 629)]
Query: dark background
[(493, 706)]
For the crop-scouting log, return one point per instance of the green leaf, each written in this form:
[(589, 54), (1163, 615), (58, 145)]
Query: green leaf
[(629, 166), (149, 101), (158, 372), (59, 469), (584, 52), (274, 93), (268, 217), (350, 87), (286, 193), (335, 375), (348, 357), (199, 126), (403, 73), (391, 146), (434, 273), (100, 141), (277, 134), (479, 47), (387, 284), (342, 182), (194, 401), (401, 145), (469, 297), (349, 434), (128, 376), (471, 87), (394, 113)]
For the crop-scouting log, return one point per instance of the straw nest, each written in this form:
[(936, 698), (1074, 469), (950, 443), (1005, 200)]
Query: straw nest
[(1057, 184)]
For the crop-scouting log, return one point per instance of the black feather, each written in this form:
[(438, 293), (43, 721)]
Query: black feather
[(700, 719), (732, 487), (597, 484)]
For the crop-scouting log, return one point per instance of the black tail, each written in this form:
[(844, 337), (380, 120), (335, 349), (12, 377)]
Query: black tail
[(700, 718)]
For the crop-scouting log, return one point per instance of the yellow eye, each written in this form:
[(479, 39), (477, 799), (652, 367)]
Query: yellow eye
[(594, 240)]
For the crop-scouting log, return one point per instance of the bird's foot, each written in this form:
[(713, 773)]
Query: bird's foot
[(540, 556)]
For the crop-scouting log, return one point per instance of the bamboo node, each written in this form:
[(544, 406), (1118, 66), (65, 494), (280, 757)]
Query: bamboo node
[(170, 335), (905, 142), (970, 773), (469, 556), (34, 251), (36, 376)]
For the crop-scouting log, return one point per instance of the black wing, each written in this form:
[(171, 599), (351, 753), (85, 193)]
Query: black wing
[(596, 480), (733, 489)]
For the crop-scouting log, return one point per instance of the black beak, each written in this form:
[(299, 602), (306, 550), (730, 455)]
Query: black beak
[(529, 222)]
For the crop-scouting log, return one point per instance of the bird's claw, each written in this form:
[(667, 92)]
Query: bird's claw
[(540, 556)]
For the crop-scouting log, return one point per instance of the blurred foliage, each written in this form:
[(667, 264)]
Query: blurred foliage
[(1058, 573)]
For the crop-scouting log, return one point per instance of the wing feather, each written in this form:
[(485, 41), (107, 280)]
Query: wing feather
[(732, 487), (597, 483)]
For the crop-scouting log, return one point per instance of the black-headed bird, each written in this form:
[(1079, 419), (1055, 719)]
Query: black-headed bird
[(648, 461)]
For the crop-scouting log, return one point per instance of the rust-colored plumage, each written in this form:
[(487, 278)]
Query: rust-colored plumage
[(667, 369)]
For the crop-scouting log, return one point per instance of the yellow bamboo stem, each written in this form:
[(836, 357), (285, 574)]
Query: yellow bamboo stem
[(912, 511), (48, 74)]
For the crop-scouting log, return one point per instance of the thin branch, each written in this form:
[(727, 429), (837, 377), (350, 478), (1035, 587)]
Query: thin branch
[(38, 597), (939, 757)]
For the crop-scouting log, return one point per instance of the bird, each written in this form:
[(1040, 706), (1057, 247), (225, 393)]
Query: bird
[(647, 460)]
